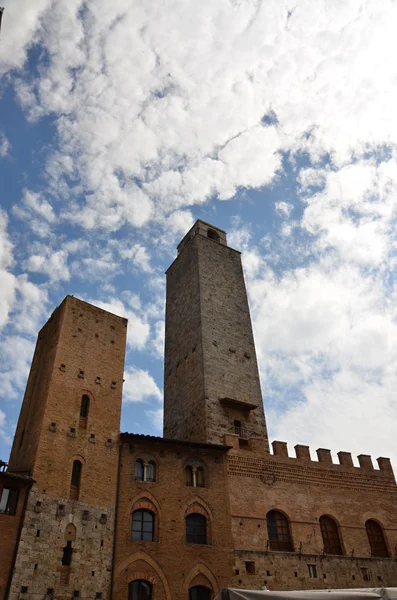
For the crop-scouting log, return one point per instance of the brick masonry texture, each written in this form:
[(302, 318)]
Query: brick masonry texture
[(211, 382)]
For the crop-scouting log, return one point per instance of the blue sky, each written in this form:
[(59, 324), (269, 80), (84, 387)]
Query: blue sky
[(275, 120)]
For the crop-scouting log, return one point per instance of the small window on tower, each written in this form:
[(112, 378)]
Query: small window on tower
[(213, 235), (84, 408), (75, 481), (312, 571)]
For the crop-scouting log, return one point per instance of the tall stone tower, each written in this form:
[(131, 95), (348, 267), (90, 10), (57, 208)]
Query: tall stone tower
[(211, 379), (67, 440)]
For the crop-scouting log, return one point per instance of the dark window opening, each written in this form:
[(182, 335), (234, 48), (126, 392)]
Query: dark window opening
[(200, 477), (139, 590), (67, 555), (38, 533), (24, 589), (278, 532), (330, 534), (85, 403), (213, 235), (139, 470), (196, 529), (143, 526), (376, 539), (199, 592), (366, 574), (151, 471), (75, 481), (8, 501), (250, 567), (312, 571), (189, 476)]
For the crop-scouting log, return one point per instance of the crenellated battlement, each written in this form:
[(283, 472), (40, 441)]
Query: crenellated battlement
[(302, 453)]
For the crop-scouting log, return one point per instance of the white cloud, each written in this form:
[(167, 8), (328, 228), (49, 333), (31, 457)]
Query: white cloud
[(139, 386), (186, 125), (138, 330), (138, 254), (283, 208), (7, 280), (50, 263), (4, 435), (4, 145), (156, 418)]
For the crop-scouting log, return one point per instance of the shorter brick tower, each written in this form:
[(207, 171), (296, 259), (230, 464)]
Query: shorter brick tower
[(211, 379), (67, 440)]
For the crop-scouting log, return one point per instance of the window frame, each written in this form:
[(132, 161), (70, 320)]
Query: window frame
[(141, 530), (199, 588), (139, 596), (374, 543), (331, 536), (10, 505), (196, 529), (279, 532)]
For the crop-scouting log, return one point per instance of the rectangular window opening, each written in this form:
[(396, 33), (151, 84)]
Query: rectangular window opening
[(8, 501), (366, 574), (312, 571)]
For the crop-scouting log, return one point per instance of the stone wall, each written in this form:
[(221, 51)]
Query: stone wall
[(44, 535), (211, 373)]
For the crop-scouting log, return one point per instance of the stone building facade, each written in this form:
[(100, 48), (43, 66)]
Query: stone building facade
[(89, 513)]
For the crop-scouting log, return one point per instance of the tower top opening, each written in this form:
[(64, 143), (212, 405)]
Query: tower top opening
[(206, 230)]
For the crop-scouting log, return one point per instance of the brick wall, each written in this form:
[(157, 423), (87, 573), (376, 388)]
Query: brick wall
[(304, 490), (10, 526), (168, 562)]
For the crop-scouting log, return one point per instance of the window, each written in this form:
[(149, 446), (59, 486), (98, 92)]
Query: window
[(199, 592), (150, 471), (213, 235), (143, 526), (196, 529), (139, 470), (194, 475), (199, 477), (67, 555), (366, 574), (84, 407), (278, 531), (75, 482), (330, 533), (139, 590), (376, 539), (8, 501), (312, 571), (189, 475)]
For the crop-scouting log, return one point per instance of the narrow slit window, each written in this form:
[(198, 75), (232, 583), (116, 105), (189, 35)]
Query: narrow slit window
[(76, 480)]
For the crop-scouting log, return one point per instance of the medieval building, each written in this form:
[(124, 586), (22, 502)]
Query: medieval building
[(87, 513)]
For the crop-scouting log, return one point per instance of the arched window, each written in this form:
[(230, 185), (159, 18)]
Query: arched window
[(67, 555), (189, 475), (213, 235), (278, 532), (200, 477), (376, 538), (76, 480), (143, 526), (196, 529), (150, 471), (330, 533), (139, 470), (84, 407), (199, 592), (139, 590)]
